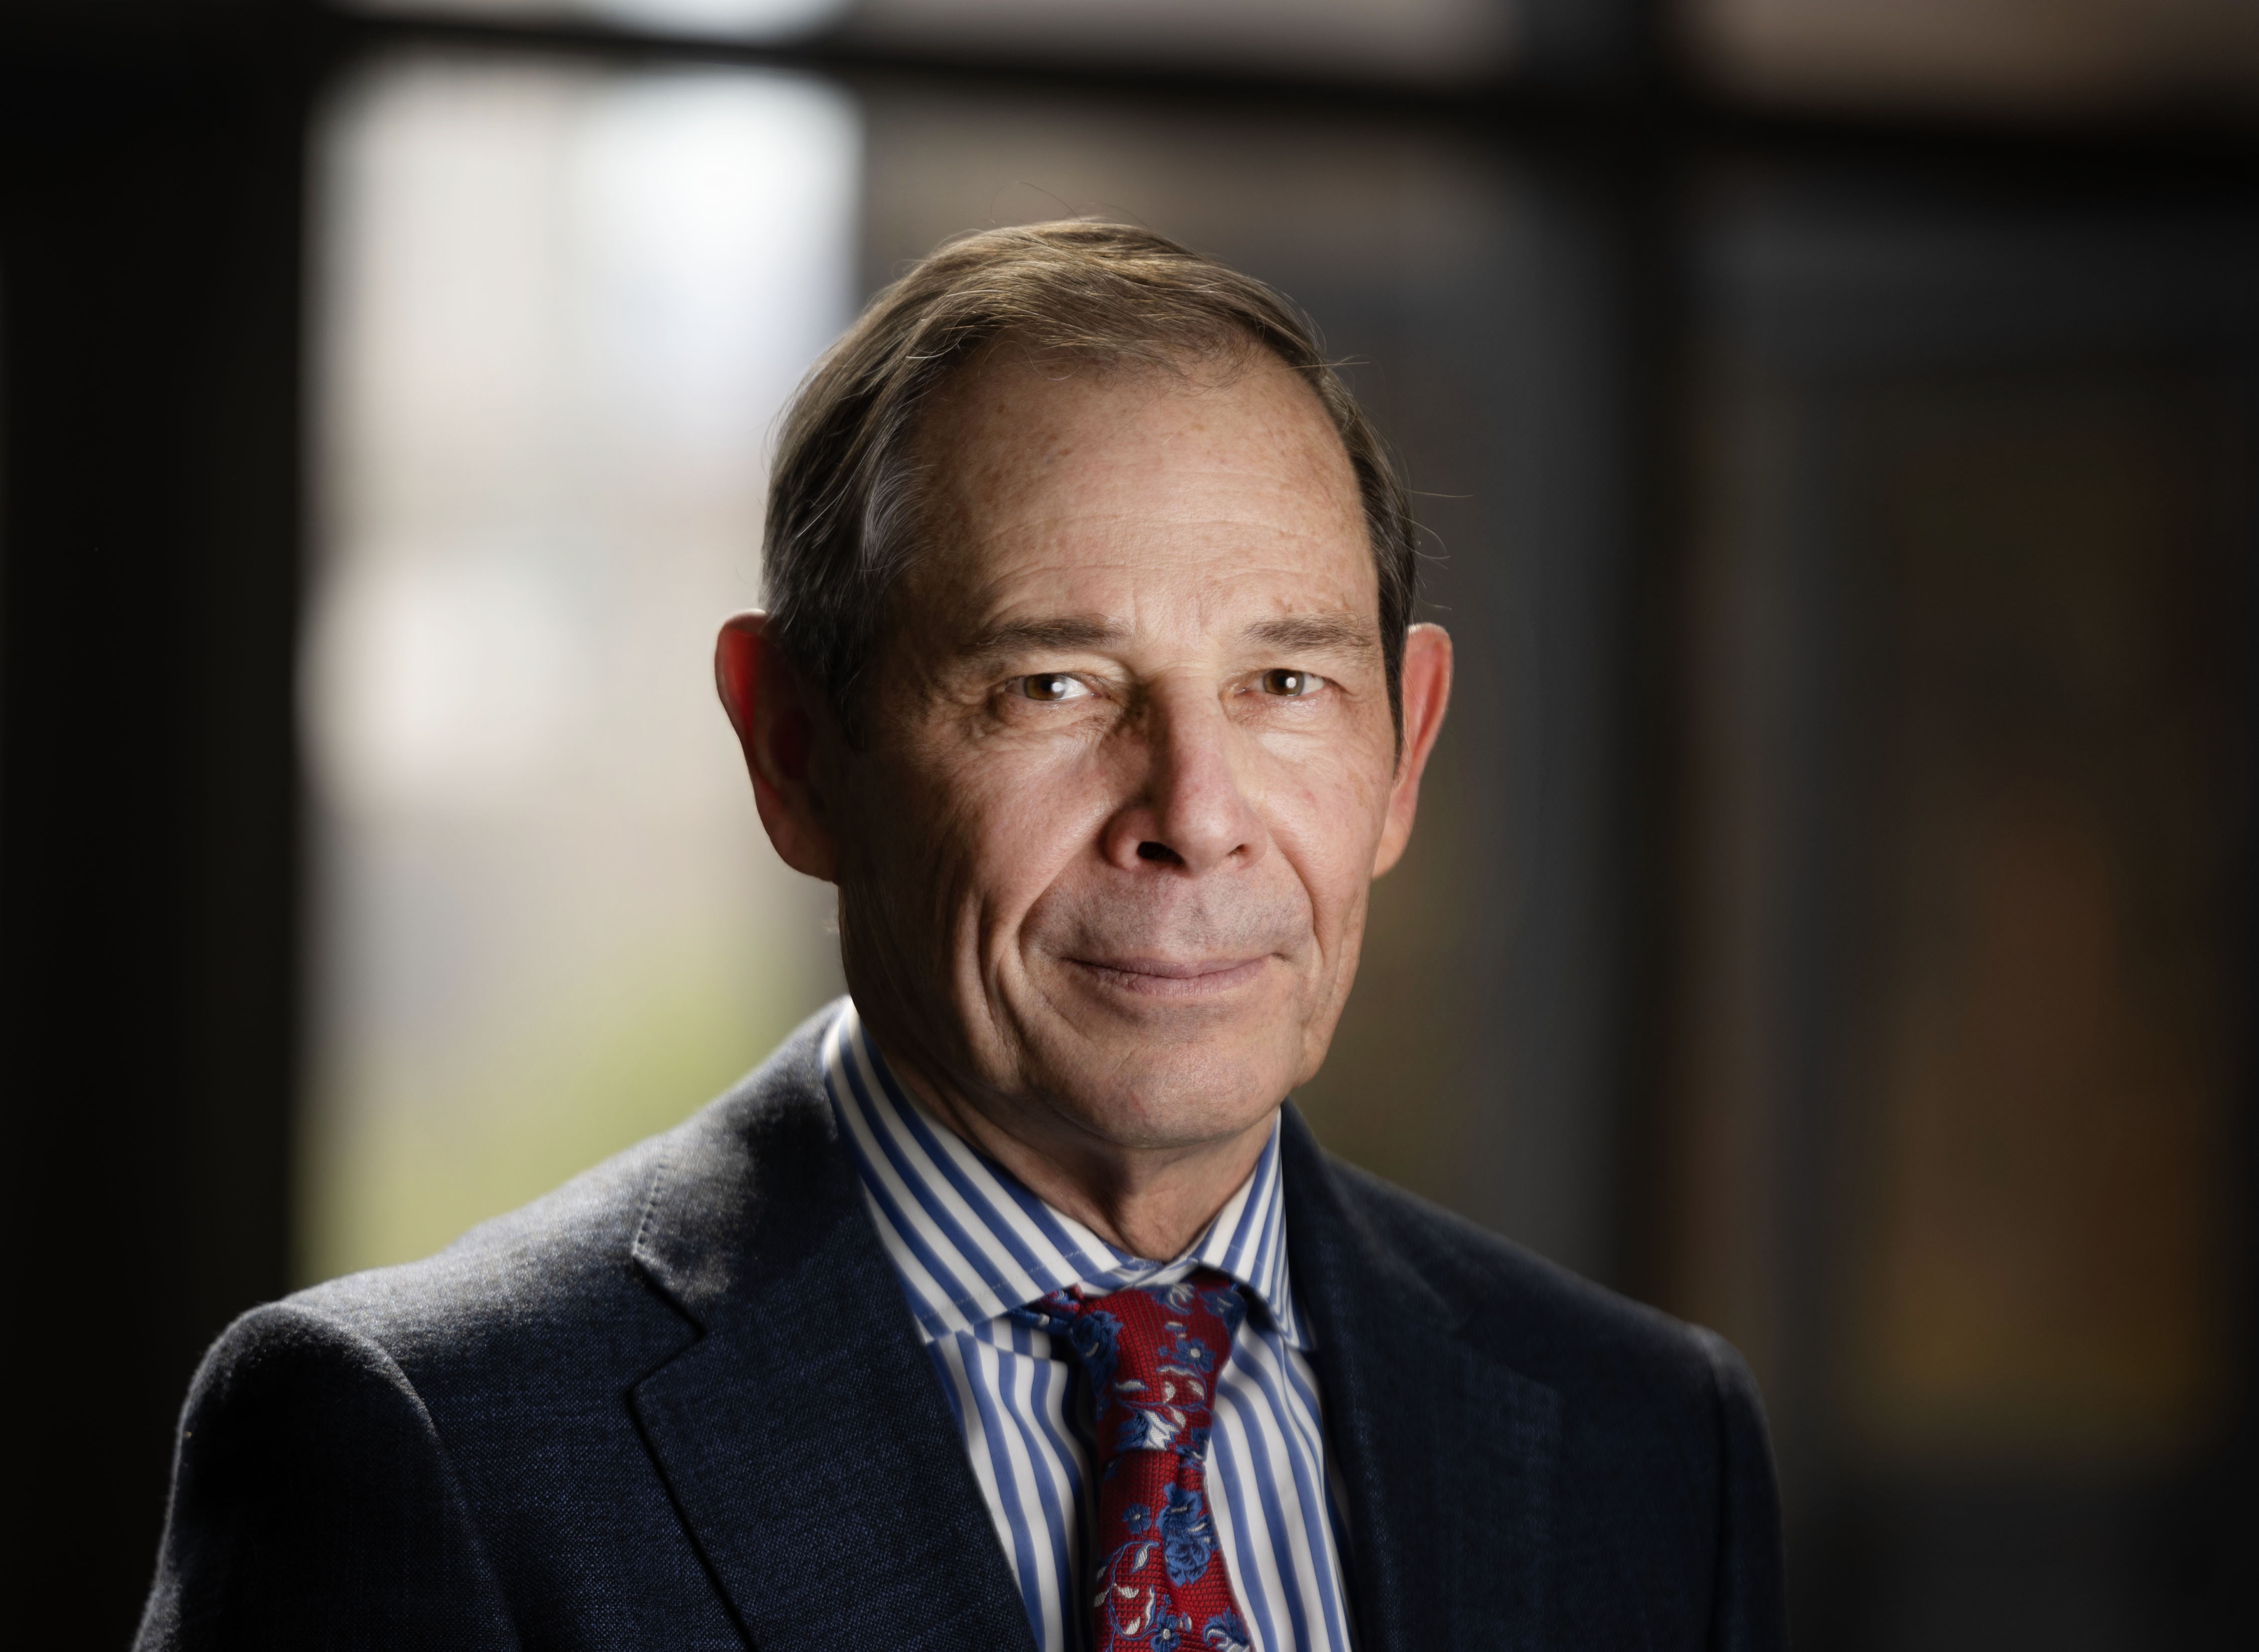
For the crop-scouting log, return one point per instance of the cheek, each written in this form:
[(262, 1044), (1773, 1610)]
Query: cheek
[(1326, 815), (1015, 819)]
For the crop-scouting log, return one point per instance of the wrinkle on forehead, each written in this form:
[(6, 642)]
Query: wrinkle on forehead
[(1124, 481)]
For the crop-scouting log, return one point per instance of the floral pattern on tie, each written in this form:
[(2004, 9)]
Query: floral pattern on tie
[(1151, 1356)]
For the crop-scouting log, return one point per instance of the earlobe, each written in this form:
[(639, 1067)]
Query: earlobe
[(773, 714)]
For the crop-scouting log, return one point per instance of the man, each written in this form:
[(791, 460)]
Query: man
[(1008, 1305)]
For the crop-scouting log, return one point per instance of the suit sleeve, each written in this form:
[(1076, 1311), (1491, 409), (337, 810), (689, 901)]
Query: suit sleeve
[(1749, 1608), (313, 1506)]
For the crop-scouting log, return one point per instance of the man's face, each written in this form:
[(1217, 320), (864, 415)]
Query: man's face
[(1127, 758)]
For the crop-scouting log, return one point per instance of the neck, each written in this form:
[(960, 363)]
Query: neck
[(1151, 1202)]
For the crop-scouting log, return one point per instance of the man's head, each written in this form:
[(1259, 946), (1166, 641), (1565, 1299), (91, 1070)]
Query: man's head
[(1088, 678)]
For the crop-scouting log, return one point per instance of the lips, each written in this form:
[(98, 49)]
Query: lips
[(1173, 977)]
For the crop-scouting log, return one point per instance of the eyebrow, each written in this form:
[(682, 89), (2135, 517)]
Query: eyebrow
[(1020, 635), (1316, 633), (1299, 633)]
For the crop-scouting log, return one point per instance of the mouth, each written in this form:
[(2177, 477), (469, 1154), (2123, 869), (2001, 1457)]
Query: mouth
[(1170, 978)]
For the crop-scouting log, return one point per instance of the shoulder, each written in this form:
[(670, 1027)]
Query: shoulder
[(1626, 1373), (1652, 1429), (1555, 1323), (408, 1455), (260, 1548)]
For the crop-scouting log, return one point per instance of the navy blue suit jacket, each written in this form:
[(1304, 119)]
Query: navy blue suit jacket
[(682, 1403)]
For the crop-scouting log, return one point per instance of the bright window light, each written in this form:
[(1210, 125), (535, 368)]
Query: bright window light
[(558, 311)]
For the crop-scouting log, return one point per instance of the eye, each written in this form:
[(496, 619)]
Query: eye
[(1050, 686), (1292, 685)]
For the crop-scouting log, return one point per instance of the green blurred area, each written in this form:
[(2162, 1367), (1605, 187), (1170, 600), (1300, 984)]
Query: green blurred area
[(412, 1157)]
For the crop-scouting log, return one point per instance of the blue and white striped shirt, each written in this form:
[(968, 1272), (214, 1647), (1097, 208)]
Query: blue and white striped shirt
[(972, 1243)]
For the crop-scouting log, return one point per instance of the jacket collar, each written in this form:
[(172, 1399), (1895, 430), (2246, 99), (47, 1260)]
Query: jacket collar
[(809, 1447), (803, 1435), (1446, 1456)]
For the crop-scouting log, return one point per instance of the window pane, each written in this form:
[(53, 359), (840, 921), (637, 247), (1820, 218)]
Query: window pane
[(1417, 41), (1997, 55), (748, 20), (558, 308)]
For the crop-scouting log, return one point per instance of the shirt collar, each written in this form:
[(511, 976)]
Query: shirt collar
[(972, 1242)]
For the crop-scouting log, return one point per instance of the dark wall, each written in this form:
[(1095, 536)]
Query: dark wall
[(149, 311), (1961, 1117)]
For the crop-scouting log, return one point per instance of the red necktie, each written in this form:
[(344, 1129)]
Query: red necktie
[(1153, 1354)]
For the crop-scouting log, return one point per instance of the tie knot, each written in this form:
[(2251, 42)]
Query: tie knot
[(1151, 1355)]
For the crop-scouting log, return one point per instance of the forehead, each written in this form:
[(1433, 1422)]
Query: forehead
[(1152, 495)]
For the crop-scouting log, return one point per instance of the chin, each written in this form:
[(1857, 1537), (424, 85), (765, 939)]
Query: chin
[(1176, 1094)]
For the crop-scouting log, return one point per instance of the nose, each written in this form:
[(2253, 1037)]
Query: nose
[(1187, 807)]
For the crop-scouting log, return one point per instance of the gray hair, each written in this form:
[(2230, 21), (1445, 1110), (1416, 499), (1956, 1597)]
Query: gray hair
[(844, 495)]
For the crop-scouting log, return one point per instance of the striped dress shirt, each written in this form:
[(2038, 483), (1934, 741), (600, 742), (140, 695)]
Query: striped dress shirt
[(971, 1244)]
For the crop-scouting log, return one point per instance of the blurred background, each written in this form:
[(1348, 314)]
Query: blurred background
[(1832, 916)]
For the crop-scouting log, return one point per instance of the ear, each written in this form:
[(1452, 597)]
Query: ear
[(779, 723), (1427, 691)]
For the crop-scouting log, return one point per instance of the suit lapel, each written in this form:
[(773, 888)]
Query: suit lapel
[(804, 1435), (1446, 1456)]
